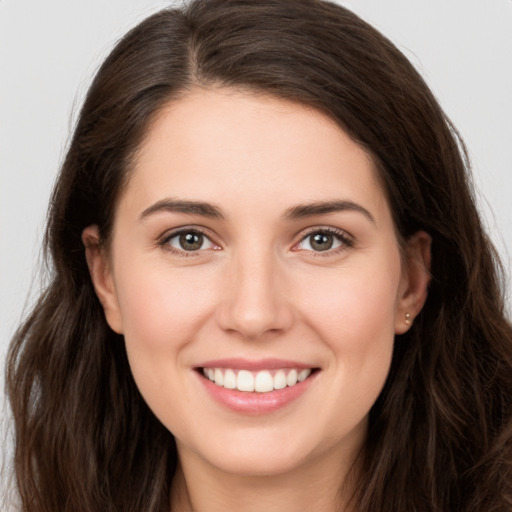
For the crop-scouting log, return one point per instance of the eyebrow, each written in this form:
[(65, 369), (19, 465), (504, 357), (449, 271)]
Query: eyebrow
[(324, 207), (212, 211), (188, 207)]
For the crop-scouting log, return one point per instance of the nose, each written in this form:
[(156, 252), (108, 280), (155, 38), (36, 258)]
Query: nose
[(255, 301)]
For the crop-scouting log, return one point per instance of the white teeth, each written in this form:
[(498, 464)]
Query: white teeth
[(244, 381), (219, 377), (303, 375), (229, 379), (261, 382), (291, 378), (280, 380)]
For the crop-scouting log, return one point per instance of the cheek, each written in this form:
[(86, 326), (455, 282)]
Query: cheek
[(354, 314), (162, 312), (161, 309), (357, 299)]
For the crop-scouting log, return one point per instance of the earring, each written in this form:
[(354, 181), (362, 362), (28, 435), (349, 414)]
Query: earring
[(407, 318)]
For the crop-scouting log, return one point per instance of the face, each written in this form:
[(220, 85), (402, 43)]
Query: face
[(255, 274)]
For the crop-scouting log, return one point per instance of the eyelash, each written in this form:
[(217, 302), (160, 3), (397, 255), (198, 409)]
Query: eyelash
[(165, 239), (346, 241)]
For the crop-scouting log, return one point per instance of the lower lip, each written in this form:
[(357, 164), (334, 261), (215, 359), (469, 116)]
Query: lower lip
[(253, 402)]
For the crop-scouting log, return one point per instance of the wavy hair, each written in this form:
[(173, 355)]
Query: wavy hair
[(440, 433)]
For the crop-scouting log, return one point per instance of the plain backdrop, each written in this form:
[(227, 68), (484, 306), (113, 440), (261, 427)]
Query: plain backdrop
[(49, 51)]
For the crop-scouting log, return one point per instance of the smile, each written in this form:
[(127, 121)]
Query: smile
[(263, 381), (256, 387)]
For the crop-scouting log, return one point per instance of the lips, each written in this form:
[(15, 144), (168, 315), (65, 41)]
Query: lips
[(255, 387)]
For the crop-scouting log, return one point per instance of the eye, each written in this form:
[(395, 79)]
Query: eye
[(324, 240), (189, 240)]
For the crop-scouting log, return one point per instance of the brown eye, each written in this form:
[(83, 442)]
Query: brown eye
[(323, 241), (189, 241)]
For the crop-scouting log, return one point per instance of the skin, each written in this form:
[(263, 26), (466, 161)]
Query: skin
[(257, 288)]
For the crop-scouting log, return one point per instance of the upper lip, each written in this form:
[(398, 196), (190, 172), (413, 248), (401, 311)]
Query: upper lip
[(254, 365)]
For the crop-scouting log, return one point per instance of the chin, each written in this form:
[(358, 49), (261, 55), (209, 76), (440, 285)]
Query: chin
[(249, 463), (263, 452)]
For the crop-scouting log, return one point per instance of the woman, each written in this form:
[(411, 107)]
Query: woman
[(271, 289)]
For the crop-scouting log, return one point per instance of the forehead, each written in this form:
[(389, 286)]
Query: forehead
[(223, 144)]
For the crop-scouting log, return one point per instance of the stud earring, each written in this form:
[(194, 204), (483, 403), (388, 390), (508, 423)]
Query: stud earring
[(407, 318)]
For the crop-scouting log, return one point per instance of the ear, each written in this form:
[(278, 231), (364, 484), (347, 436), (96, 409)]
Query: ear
[(413, 289), (102, 277)]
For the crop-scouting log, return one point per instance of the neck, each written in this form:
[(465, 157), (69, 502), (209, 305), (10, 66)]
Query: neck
[(322, 484)]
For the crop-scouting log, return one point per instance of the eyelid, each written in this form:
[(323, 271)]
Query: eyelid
[(347, 240), (163, 240)]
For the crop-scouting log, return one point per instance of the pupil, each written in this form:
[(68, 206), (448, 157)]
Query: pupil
[(322, 242), (191, 241)]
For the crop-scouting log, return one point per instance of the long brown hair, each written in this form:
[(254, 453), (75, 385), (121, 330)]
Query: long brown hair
[(440, 434)]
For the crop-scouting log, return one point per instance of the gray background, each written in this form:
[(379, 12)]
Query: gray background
[(50, 49)]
